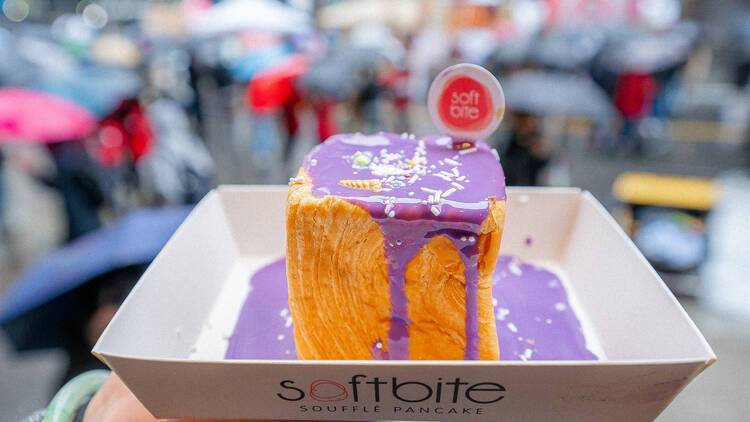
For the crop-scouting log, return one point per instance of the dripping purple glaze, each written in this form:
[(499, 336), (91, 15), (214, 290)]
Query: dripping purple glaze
[(534, 318), (428, 189), (264, 328)]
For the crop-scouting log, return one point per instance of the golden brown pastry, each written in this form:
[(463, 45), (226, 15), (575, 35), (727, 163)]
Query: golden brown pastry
[(391, 246)]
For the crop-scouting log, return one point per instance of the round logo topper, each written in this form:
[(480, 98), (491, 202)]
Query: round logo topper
[(466, 102)]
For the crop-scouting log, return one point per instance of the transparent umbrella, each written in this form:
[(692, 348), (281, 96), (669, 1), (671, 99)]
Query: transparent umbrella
[(556, 93)]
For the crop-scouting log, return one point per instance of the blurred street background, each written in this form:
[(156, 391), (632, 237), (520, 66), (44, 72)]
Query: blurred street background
[(117, 115)]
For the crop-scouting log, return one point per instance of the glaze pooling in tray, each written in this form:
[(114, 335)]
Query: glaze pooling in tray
[(535, 320), (414, 189)]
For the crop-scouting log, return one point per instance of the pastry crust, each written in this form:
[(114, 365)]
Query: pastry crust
[(339, 287)]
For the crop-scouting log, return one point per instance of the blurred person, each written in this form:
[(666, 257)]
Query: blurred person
[(179, 169), (89, 312), (366, 108), (526, 154), (79, 179), (634, 94), (395, 81)]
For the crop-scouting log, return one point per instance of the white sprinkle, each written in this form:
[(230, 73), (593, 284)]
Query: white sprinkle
[(463, 238), (494, 302), (392, 214), (442, 176), (423, 202), (455, 157), (413, 179), (455, 171), (437, 196), (512, 327), (432, 166), (441, 162), (284, 312), (287, 352), (519, 338), (457, 185), (514, 268), (411, 193), (548, 321), (446, 174), (379, 345), (472, 239), (435, 210), (560, 306), (448, 192), (452, 162), (280, 337), (467, 150), (494, 152), (428, 190), (313, 162), (502, 313), (293, 180), (527, 353), (404, 135), (431, 199), (412, 136), (288, 322), (460, 178)]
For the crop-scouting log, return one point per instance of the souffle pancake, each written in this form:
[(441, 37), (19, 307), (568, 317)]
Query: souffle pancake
[(392, 241)]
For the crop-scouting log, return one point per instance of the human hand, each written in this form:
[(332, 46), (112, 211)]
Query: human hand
[(115, 403)]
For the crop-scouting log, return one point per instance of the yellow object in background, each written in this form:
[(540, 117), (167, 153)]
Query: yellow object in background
[(689, 193)]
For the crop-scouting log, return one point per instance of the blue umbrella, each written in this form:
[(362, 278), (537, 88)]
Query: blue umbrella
[(134, 239), (256, 60), (97, 88)]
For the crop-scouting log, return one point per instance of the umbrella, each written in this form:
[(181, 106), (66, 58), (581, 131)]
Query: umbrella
[(556, 93), (243, 15), (27, 115), (403, 15), (134, 239), (115, 50), (97, 88), (377, 38), (339, 74), (258, 59), (649, 53), (14, 69), (273, 87), (511, 52), (568, 49)]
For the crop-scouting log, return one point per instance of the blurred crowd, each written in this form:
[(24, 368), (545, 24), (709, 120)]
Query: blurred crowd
[(123, 105)]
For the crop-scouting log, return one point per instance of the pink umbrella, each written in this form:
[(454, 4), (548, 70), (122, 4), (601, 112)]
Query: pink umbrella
[(33, 116)]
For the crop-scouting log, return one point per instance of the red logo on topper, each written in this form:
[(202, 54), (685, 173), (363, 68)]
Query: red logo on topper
[(466, 102)]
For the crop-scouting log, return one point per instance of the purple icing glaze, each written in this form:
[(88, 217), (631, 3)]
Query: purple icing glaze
[(534, 317), (428, 189), (264, 328)]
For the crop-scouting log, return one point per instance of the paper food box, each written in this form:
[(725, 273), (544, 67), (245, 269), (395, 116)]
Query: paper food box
[(169, 340)]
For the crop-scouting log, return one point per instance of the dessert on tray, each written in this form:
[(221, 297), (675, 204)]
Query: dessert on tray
[(391, 246), (392, 240)]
